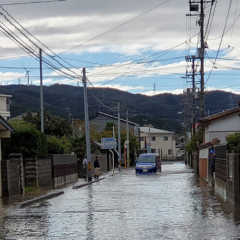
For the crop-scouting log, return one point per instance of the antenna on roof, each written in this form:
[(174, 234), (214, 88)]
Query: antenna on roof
[(27, 76), (154, 88)]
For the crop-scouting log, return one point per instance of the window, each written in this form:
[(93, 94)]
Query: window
[(142, 139), (153, 150), (153, 138), (165, 138), (169, 151)]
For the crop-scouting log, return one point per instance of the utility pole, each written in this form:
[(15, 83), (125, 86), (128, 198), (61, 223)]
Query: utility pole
[(87, 135), (202, 55), (41, 92), (128, 153), (27, 75), (119, 135), (197, 9), (193, 97), (192, 75)]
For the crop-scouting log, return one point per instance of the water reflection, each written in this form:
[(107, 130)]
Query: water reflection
[(90, 214), (126, 206)]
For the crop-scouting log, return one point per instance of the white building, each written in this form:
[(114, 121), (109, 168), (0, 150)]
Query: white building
[(158, 141), (5, 128), (5, 106), (221, 125)]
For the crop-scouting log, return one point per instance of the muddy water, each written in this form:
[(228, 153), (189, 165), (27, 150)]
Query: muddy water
[(173, 205)]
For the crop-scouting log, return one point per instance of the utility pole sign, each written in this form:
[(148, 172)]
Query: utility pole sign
[(108, 143)]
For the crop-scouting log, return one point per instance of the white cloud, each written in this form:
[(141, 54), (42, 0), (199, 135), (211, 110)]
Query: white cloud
[(120, 87), (140, 70), (5, 77), (152, 93)]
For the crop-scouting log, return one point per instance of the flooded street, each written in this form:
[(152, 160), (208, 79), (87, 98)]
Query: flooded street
[(173, 205)]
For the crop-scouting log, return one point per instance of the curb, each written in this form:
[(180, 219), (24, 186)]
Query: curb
[(88, 183), (39, 199)]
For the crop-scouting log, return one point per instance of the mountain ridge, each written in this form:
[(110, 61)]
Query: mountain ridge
[(162, 110)]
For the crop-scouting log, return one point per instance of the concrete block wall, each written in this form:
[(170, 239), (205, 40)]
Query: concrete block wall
[(12, 178), (44, 173), (64, 169)]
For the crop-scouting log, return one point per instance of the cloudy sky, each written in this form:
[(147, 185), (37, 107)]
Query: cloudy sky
[(132, 45)]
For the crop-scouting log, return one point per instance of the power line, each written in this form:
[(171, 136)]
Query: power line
[(25, 33), (120, 25), (29, 49), (210, 19), (32, 2), (99, 100), (220, 43)]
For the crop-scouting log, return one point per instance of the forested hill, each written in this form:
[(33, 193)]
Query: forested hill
[(161, 110)]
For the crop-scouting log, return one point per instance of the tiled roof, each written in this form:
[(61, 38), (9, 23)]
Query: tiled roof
[(114, 117), (220, 115), (154, 130)]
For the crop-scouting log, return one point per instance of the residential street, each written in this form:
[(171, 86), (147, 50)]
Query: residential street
[(173, 205)]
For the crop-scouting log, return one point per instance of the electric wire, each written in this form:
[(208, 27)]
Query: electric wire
[(222, 36), (31, 2), (120, 25), (25, 33), (27, 48), (8, 33)]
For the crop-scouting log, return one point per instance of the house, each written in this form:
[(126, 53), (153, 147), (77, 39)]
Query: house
[(216, 128), (158, 141), (220, 125), (102, 119), (5, 128), (5, 106)]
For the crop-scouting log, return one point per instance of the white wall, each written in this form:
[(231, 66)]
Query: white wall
[(222, 127), (4, 111)]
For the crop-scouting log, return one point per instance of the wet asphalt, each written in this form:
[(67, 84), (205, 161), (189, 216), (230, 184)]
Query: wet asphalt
[(170, 205)]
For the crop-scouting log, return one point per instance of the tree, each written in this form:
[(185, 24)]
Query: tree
[(53, 125), (79, 146), (55, 145), (233, 142), (25, 139)]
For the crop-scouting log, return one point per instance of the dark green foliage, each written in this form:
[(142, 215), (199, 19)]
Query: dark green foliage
[(233, 142), (109, 126), (79, 147), (162, 111), (53, 125), (195, 142), (25, 139), (55, 145)]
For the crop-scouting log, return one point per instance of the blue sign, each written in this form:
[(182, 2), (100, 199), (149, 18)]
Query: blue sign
[(108, 143)]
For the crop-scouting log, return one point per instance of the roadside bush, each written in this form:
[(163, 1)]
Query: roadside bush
[(66, 144), (55, 145), (25, 139), (233, 142)]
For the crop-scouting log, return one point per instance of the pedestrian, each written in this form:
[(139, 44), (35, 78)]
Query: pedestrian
[(212, 160), (85, 165), (89, 167), (96, 168)]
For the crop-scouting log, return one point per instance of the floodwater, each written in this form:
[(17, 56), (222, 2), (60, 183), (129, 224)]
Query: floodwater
[(173, 205)]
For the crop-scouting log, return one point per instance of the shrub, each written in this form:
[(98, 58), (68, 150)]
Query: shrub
[(233, 142), (55, 145), (25, 139)]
